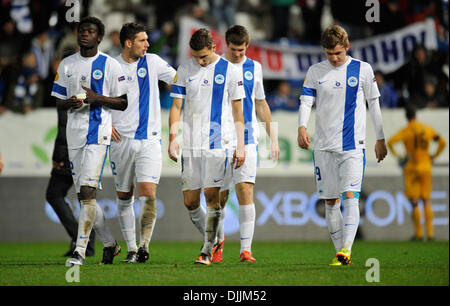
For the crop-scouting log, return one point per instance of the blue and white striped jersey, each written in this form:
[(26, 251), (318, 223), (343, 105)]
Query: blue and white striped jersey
[(340, 95), (142, 118), (91, 123), (208, 92), (251, 72)]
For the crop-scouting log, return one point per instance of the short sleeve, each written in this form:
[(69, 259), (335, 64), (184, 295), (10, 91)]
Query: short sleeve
[(309, 91), (259, 85), (116, 79), (59, 89), (179, 83), (236, 89), (166, 73), (370, 86)]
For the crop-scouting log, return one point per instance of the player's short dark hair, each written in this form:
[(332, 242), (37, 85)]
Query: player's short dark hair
[(410, 112), (129, 31), (200, 39), (237, 35), (93, 20)]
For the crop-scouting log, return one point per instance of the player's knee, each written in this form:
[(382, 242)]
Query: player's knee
[(124, 195), (332, 201), (224, 198), (211, 197), (86, 193), (191, 205)]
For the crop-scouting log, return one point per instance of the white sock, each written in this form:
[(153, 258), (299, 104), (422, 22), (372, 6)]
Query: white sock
[(127, 221), (147, 220), (212, 224), (247, 226), (220, 228), (101, 230), (351, 222), (335, 224), (198, 217), (85, 225)]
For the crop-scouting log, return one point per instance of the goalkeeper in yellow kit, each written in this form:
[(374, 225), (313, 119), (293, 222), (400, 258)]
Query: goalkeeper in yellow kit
[(417, 164)]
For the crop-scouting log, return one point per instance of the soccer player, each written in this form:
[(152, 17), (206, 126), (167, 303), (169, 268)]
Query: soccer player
[(238, 39), (213, 90), (135, 151), (340, 87), (417, 164), (88, 85)]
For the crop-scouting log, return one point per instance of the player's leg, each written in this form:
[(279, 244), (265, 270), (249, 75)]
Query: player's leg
[(147, 218), (191, 186), (213, 175), (412, 192), (326, 177), (247, 215), (351, 170), (426, 187), (122, 160)]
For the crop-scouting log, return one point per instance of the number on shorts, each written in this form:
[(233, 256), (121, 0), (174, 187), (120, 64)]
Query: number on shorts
[(319, 177), (113, 168)]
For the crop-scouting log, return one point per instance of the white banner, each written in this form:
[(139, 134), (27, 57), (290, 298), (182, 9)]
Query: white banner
[(26, 144), (386, 52)]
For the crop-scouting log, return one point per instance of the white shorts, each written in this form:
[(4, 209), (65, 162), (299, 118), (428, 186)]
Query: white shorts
[(338, 172), (135, 160), (87, 165), (245, 173), (203, 169)]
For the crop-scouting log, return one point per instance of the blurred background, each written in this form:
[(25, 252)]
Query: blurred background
[(406, 42)]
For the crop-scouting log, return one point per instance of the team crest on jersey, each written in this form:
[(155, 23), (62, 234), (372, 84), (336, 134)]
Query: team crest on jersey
[(142, 72), (219, 79), (248, 75), (352, 81), (97, 74)]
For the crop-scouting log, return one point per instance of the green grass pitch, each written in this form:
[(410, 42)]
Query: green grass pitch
[(290, 263)]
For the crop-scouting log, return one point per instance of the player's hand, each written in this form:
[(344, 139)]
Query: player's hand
[(275, 151), (174, 150), (91, 96), (74, 102), (57, 165), (303, 138), (238, 158), (380, 150), (115, 135)]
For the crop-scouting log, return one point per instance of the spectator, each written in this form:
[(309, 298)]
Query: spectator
[(389, 97), (312, 14), (432, 97), (281, 21), (391, 18), (115, 48), (224, 11), (27, 84), (283, 98)]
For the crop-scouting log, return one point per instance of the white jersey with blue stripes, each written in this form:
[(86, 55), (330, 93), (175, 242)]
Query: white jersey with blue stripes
[(208, 92), (252, 75), (142, 118), (91, 123), (340, 95)]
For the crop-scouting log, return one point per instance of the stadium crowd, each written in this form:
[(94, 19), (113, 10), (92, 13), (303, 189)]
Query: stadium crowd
[(35, 36)]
